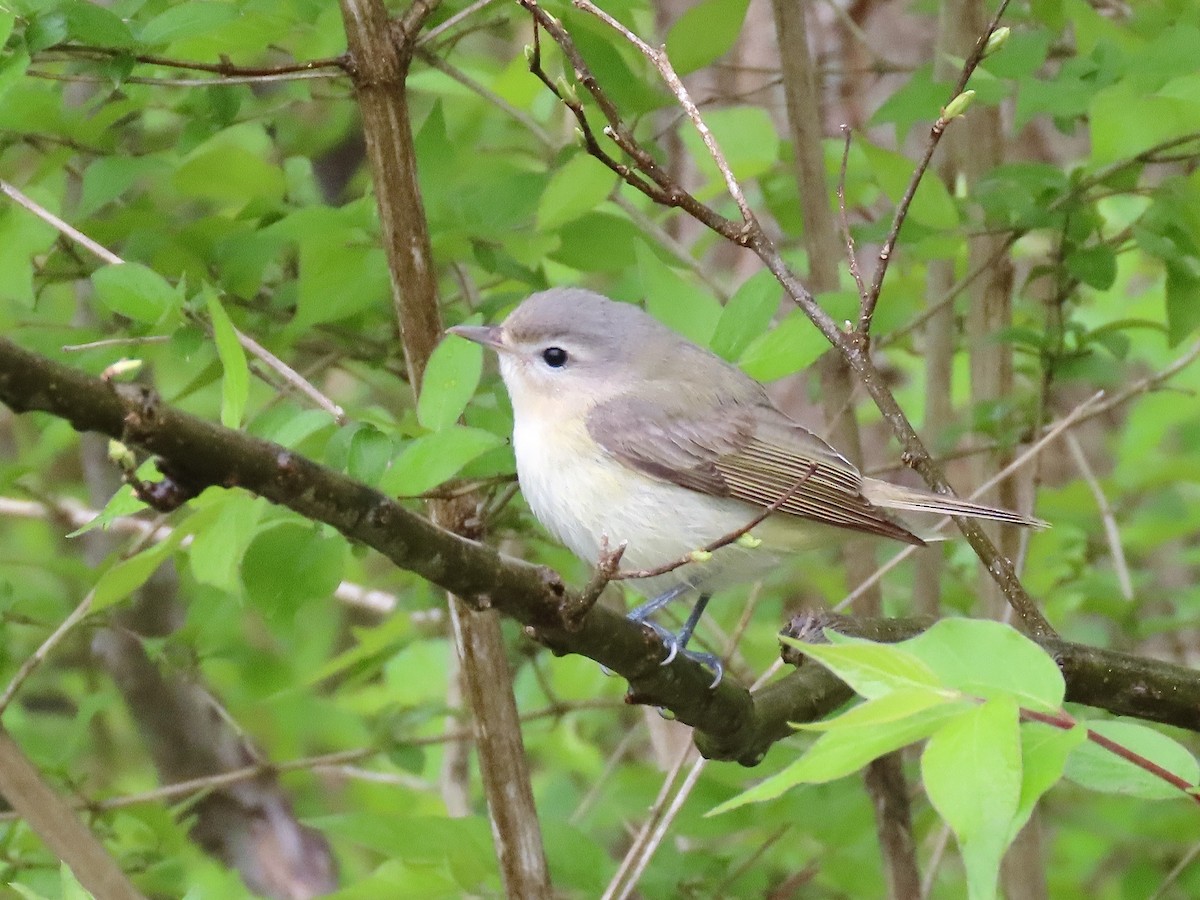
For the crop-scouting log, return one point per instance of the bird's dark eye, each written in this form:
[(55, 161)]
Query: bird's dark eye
[(555, 357)]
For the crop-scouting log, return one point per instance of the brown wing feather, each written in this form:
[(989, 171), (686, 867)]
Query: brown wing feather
[(751, 452)]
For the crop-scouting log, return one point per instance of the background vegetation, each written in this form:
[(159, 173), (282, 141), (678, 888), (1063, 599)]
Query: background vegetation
[(238, 697)]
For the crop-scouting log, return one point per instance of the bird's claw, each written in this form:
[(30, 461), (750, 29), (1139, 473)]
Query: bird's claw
[(674, 648)]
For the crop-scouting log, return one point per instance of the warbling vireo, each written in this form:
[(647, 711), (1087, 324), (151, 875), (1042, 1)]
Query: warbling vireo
[(627, 431)]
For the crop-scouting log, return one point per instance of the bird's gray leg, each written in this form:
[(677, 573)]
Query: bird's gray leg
[(677, 643), (685, 634), (653, 605)]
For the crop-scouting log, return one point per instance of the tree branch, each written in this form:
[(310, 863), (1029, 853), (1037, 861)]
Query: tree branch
[(53, 820)]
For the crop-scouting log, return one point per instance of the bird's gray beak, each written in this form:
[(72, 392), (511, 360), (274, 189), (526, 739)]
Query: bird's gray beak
[(487, 335)]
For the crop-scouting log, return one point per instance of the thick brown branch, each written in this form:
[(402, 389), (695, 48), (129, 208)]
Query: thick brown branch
[(55, 822)]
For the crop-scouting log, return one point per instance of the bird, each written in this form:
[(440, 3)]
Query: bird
[(627, 433)]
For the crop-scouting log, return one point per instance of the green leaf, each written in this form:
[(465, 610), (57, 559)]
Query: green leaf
[(91, 23), (1099, 769), (932, 205), (433, 458), (791, 346), (125, 576), (705, 33), (1044, 753), (971, 769), (107, 178), (231, 176), (989, 659), (340, 276), (747, 315), (1125, 121), (747, 138), (840, 752), (7, 19), (918, 99), (1183, 302), (450, 380), (235, 387), (883, 710), (134, 291), (46, 29), (576, 187), (872, 670), (291, 564), (186, 20), (216, 552), (1094, 266), (674, 300), (370, 452), (71, 888), (12, 69)]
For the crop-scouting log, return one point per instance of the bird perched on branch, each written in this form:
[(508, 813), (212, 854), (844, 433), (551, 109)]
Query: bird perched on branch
[(627, 433)]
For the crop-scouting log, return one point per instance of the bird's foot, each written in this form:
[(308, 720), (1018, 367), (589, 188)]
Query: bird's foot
[(675, 645)]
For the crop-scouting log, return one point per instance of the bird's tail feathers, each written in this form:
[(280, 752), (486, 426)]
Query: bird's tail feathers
[(894, 496)]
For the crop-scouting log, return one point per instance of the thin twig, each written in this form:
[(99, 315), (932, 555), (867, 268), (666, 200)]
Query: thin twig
[(659, 59), (208, 783), (38, 656), (1171, 877), (221, 68), (574, 608), (843, 216), (526, 121), (618, 885), (1066, 723), (286, 372), (1077, 415), (871, 298), (650, 846), (935, 860), (181, 82), (58, 224), (438, 30), (117, 342), (1111, 532)]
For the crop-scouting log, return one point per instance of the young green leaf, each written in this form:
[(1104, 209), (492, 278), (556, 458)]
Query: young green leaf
[(1044, 752), (792, 345), (127, 575), (134, 291), (291, 563), (990, 659), (705, 33), (871, 669), (844, 750), (1099, 769), (216, 552), (451, 377), (576, 187), (235, 387), (431, 459), (185, 20), (971, 769), (746, 315), (673, 299), (370, 452)]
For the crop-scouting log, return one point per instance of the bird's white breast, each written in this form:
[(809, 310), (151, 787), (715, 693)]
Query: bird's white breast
[(579, 493)]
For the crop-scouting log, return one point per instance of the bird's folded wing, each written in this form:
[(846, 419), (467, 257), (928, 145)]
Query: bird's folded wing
[(750, 452)]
